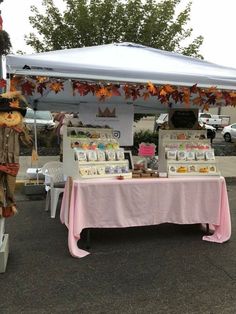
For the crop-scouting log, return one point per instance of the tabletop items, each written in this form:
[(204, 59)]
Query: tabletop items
[(90, 153), (186, 153)]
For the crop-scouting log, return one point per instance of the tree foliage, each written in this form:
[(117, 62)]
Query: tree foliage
[(96, 22), (5, 43)]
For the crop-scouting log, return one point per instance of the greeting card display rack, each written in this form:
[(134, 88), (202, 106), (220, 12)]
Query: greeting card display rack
[(93, 153), (186, 153)]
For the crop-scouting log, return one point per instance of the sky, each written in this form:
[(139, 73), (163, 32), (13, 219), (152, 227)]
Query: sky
[(213, 19)]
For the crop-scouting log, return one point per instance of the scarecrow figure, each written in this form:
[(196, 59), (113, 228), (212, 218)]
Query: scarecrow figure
[(12, 133)]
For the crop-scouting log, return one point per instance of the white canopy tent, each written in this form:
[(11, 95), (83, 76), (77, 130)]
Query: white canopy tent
[(122, 62)]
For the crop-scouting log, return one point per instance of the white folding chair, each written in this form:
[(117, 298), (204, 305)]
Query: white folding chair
[(54, 184)]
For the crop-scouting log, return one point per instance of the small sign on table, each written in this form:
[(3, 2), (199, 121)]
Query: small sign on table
[(147, 150)]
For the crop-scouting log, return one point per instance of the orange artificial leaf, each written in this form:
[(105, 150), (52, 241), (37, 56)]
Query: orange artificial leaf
[(232, 95), (56, 86), (146, 95), (163, 93), (219, 95), (186, 95), (102, 93), (151, 88), (15, 82), (212, 89), (169, 89), (41, 79), (127, 91), (15, 103), (185, 90), (131, 91)]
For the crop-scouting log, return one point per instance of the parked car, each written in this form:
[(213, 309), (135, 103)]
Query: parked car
[(44, 119), (229, 133), (218, 121)]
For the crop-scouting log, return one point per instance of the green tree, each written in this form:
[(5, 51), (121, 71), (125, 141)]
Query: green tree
[(96, 22), (5, 43)]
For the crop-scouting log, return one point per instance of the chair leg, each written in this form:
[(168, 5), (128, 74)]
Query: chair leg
[(54, 200), (47, 203)]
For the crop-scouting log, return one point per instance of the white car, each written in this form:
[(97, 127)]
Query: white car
[(44, 119), (229, 133)]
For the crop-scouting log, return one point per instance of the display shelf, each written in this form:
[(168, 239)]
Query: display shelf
[(188, 174), (93, 157), (97, 176), (102, 162), (187, 162), (190, 154), (90, 139)]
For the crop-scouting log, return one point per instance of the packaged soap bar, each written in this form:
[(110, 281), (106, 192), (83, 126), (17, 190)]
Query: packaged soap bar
[(192, 168), (172, 169), (190, 155), (81, 155), (171, 154), (111, 155), (101, 155), (92, 155), (210, 155), (200, 155), (181, 155), (120, 155)]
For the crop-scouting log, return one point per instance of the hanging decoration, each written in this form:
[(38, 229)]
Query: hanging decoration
[(202, 97)]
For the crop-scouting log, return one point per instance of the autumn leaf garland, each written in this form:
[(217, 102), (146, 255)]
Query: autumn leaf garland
[(165, 94)]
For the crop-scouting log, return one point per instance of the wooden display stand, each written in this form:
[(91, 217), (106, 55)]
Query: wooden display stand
[(186, 153), (93, 153)]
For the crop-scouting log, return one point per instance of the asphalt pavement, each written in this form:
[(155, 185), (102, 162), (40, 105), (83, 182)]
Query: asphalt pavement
[(157, 269)]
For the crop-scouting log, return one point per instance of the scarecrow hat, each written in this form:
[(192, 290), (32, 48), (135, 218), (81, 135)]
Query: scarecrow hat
[(13, 101)]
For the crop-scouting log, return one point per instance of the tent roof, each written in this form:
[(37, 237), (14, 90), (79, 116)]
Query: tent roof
[(124, 62)]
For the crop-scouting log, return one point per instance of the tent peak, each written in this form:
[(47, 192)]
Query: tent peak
[(129, 44)]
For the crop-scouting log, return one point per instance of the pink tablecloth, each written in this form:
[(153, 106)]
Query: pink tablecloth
[(140, 202)]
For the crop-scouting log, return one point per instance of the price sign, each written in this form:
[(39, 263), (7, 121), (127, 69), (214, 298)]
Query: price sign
[(147, 150)]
